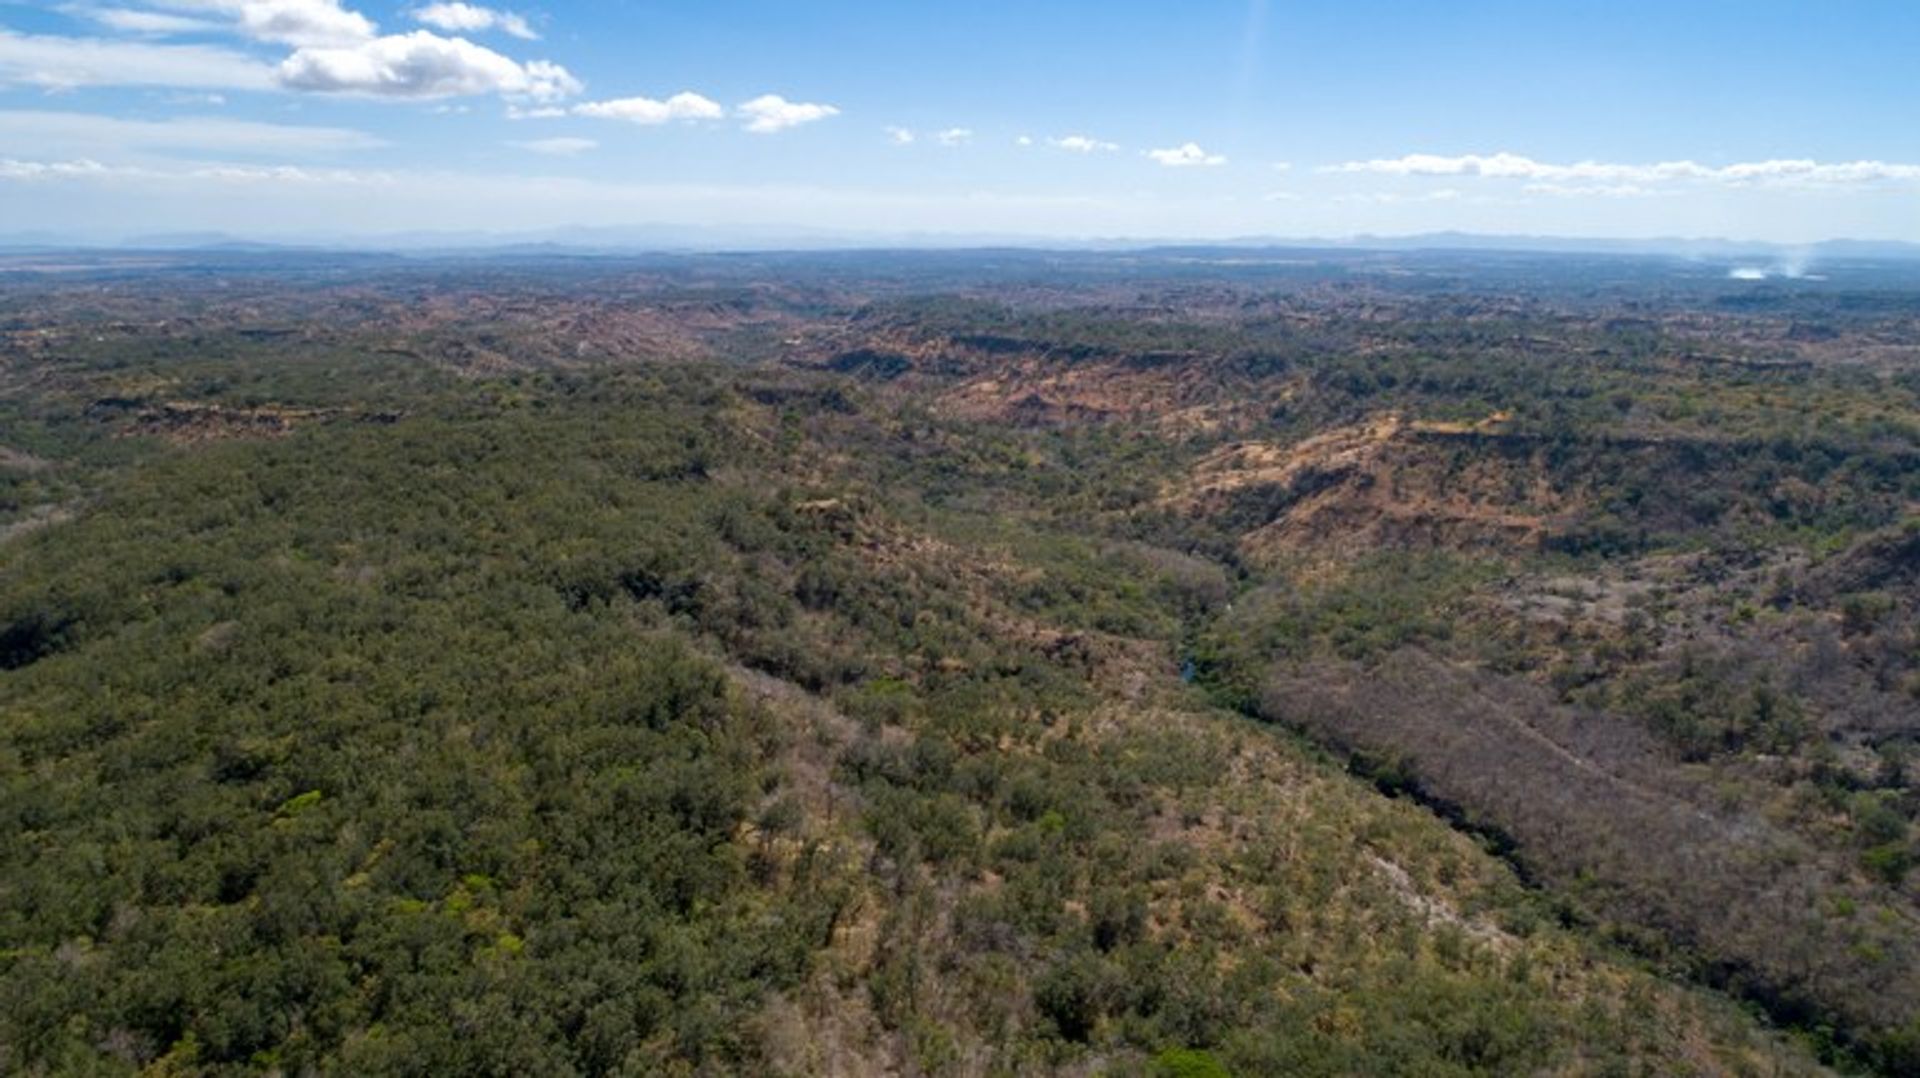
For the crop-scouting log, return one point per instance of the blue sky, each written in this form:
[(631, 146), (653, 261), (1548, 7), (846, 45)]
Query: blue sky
[(1768, 119)]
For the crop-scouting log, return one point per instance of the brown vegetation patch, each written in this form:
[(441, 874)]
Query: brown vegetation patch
[(1387, 482), (1050, 393), (40, 516), (21, 461), (195, 422), (1595, 803)]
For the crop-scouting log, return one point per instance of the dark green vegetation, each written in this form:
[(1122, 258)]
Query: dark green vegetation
[(901, 664)]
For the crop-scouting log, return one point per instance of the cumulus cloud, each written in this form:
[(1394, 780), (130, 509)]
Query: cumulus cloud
[(1082, 144), (771, 112), (557, 147), (1189, 155), (1786, 172), (423, 65), (955, 136), (646, 110), (458, 18), (304, 23), (899, 136), (335, 50), (1023, 140), (54, 62)]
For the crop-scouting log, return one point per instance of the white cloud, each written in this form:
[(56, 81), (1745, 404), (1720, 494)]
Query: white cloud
[(273, 176), (1187, 156), (280, 174), (646, 110), (423, 64), (87, 133), (1796, 172), (1397, 198), (457, 17), (304, 23), (130, 21), (337, 50), (1082, 144), (299, 23), (899, 136), (771, 112), (1816, 173), (1426, 164), (285, 22), (68, 62), (1023, 140), (557, 147), (46, 170), (1589, 190), (955, 136)]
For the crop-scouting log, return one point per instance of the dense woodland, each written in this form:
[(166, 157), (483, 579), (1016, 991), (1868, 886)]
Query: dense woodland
[(989, 663)]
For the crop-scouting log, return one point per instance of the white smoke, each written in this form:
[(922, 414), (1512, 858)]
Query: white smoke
[(1791, 266)]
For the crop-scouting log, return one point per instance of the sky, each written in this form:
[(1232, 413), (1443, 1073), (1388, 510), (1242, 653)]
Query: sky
[(1784, 120)]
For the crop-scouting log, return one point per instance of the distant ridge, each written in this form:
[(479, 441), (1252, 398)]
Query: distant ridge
[(698, 239)]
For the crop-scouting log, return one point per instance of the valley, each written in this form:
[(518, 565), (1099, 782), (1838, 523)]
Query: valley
[(1174, 662)]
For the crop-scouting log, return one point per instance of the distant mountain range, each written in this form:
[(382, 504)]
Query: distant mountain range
[(687, 238)]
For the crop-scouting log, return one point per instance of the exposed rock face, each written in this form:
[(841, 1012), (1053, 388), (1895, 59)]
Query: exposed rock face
[(1386, 482)]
